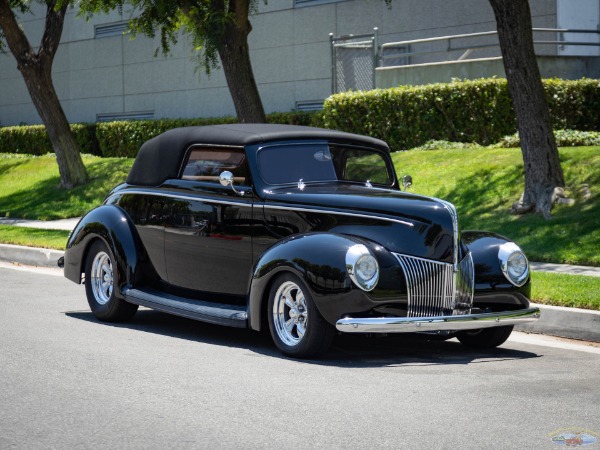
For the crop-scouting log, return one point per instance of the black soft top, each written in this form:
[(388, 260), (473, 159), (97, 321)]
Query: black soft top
[(161, 157)]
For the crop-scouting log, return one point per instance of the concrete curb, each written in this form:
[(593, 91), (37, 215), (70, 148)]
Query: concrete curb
[(573, 323), (570, 323), (31, 256)]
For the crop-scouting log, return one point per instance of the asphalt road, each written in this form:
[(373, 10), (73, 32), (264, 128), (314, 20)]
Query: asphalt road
[(69, 381)]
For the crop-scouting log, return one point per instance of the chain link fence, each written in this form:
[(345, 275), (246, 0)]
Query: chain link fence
[(353, 62)]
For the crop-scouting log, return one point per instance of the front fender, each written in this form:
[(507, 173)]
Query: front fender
[(319, 259), (111, 224), (491, 286)]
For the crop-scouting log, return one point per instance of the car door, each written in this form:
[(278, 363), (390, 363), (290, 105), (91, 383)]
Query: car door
[(208, 236)]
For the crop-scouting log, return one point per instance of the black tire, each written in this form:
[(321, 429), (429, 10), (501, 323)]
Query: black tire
[(297, 328), (486, 337), (100, 284)]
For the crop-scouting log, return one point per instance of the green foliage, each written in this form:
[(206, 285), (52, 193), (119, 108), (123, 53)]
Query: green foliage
[(33, 140), (123, 138), (462, 111), (204, 21)]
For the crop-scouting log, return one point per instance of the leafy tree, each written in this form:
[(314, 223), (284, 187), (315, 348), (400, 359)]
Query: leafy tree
[(36, 68), (219, 29), (544, 179)]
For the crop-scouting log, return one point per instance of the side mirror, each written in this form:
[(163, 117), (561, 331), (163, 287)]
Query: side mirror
[(406, 181), (226, 179)]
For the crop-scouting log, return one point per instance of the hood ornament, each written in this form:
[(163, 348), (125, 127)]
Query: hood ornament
[(368, 183), (301, 184)]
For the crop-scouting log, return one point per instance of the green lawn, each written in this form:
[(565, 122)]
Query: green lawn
[(565, 290), (33, 237), (483, 183), (29, 186)]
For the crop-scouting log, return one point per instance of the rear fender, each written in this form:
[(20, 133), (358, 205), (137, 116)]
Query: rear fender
[(112, 225)]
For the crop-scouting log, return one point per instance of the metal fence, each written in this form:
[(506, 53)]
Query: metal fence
[(463, 47), (353, 61)]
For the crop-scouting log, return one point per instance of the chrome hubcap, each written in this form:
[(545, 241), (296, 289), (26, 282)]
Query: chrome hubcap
[(290, 314), (102, 278)]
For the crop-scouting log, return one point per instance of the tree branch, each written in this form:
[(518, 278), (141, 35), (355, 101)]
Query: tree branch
[(55, 19), (15, 37)]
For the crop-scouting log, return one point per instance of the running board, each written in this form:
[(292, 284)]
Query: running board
[(217, 313)]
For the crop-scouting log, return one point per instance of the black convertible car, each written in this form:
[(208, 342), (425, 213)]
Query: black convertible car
[(302, 230)]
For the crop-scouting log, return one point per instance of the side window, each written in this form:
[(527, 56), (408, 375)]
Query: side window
[(206, 164)]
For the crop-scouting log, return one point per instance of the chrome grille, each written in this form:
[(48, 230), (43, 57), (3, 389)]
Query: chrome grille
[(435, 289)]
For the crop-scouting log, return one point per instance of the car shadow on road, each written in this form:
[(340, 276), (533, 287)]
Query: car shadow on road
[(348, 350)]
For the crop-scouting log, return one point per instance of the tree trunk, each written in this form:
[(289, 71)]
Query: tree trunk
[(235, 57), (36, 69), (543, 173), (41, 89)]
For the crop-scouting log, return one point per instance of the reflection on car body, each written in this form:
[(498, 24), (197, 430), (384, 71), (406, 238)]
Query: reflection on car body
[(300, 230)]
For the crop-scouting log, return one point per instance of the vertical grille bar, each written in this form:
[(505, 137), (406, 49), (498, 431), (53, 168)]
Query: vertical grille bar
[(435, 289)]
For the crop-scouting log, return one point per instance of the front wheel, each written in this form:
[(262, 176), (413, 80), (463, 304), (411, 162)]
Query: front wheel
[(100, 284), (296, 326), (485, 338)]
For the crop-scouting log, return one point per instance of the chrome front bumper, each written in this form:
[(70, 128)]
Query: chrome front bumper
[(442, 323)]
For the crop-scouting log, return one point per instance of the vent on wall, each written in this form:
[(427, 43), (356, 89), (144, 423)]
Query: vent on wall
[(111, 29), (309, 105), (111, 117), (300, 3)]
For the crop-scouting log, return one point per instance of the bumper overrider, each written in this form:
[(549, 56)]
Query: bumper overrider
[(440, 323)]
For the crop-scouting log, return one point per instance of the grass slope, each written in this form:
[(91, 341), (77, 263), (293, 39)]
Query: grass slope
[(30, 186), (483, 183)]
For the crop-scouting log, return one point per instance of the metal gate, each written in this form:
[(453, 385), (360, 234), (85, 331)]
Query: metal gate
[(353, 62)]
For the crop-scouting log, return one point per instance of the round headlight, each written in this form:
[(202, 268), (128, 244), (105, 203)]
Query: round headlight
[(362, 267), (514, 263)]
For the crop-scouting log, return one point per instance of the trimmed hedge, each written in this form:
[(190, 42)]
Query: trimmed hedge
[(462, 111), (476, 111), (121, 139), (33, 140)]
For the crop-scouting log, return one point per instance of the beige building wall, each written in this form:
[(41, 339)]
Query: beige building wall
[(290, 50)]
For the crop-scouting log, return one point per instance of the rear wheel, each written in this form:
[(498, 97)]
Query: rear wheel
[(296, 326), (100, 285), (485, 338)]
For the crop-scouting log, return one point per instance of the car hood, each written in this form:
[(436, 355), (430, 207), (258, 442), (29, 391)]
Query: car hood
[(426, 222)]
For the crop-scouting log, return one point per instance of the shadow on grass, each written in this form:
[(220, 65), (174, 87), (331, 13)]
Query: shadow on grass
[(7, 167), (357, 351), (46, 200), (571, 236)]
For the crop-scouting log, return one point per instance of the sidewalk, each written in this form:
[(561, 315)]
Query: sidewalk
[(570, 323)]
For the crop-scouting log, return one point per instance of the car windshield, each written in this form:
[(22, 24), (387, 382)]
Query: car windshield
[(287, 164)]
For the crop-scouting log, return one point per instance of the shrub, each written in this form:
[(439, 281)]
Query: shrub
[(33, 140), (564, 138), (123, 138), (462, 111)]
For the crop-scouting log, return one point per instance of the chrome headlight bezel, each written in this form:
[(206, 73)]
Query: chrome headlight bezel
[(509, 254), (359, 263)]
